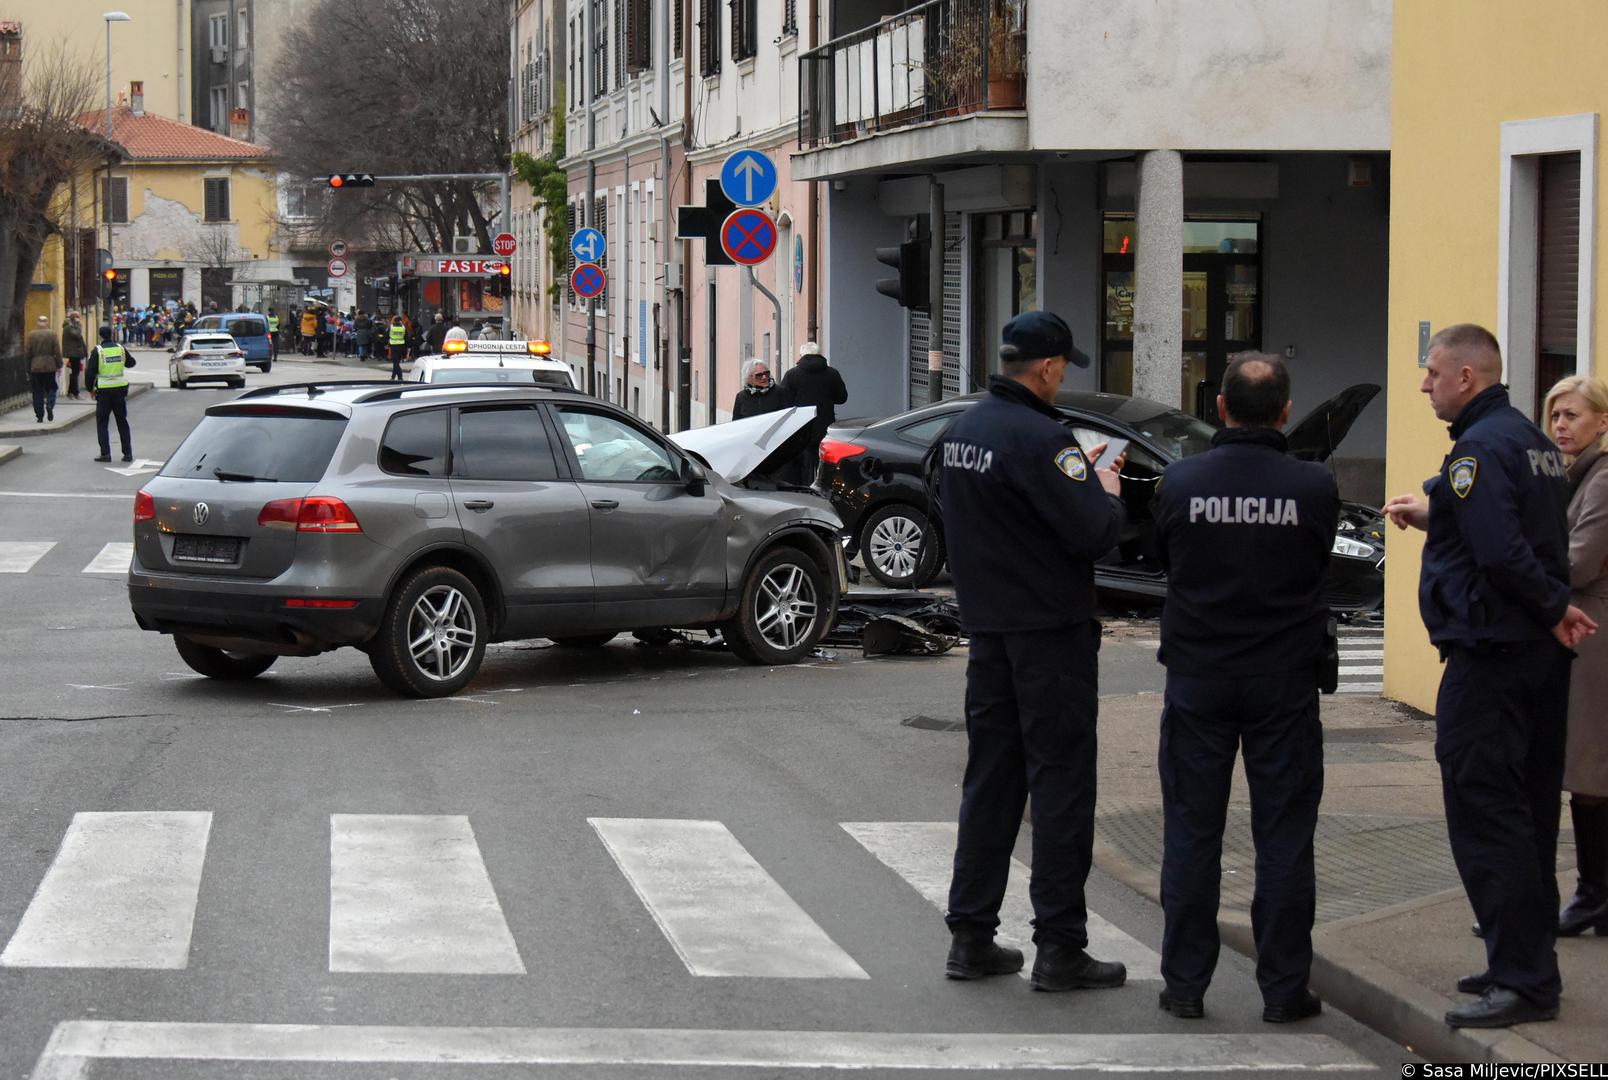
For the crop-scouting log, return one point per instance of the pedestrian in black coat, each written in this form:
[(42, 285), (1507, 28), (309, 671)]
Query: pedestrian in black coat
[(813, 382), (759, 394)]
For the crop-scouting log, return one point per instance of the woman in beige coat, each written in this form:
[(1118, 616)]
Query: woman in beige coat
[(1577, 415)]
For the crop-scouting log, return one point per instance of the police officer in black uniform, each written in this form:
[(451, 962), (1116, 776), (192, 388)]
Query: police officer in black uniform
[(1245, 532), (1494, 595), (1025, 515)]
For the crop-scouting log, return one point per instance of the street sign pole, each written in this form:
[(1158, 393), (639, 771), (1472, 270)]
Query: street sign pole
[(935, 290)]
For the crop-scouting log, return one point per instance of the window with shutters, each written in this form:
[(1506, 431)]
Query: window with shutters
[(744, 29), (600, 48), (217, 198), (789, 17), (639, 51), (114, 206), (677, 24), (1557, 272), (619, 43), (708, 37)]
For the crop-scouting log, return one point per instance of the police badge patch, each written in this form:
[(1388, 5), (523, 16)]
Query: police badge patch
[(1070, 461), (1462, 473)]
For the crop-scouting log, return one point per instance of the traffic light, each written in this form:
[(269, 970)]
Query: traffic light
[(108, 279), (351, 179), (909, 259), (497, 284)]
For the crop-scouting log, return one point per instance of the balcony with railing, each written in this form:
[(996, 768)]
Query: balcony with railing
[(939, 59)]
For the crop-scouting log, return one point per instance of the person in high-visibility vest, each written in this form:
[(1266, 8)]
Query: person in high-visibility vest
[(397, 339), (107, 382), (273, 334)]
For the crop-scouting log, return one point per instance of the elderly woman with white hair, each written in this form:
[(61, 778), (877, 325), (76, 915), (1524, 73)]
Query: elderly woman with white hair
[(759, 393), (1576, 416)]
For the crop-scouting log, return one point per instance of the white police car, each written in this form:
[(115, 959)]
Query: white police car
[(516, 362), (207, 356)]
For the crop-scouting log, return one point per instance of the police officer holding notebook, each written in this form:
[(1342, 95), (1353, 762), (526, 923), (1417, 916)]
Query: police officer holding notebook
[(1025, 515), (1245, 532)]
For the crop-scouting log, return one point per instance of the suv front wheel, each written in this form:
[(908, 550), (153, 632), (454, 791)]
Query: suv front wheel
[(785, 607), (433, 637)]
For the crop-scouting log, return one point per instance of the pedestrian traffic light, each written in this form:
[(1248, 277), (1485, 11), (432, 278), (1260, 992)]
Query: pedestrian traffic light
[(351, 179), (909, 259)]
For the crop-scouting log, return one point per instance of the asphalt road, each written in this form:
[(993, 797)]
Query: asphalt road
[(627, 862)]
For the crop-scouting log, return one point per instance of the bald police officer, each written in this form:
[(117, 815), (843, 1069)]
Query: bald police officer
[(1245, 532), (1025, 515), (1494, 596)]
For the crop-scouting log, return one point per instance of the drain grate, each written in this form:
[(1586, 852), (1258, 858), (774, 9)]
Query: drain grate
[(933, 723)]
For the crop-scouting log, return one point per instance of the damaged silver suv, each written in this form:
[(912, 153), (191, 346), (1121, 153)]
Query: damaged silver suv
[(419, 523)]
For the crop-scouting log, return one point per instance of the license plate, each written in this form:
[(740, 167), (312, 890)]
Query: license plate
[(207, 549)]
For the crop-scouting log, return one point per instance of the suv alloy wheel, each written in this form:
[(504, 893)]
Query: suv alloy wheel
[(785, 609), (433, 636)]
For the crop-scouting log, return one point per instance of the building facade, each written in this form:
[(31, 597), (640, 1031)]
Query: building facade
[(1181, 181), (536, 55), (1494, 219), (153, 47)]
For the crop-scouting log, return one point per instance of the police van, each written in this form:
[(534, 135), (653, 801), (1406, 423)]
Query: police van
[(515, 362)]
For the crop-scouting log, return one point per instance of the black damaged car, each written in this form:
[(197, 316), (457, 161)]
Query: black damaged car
[(873, 473)]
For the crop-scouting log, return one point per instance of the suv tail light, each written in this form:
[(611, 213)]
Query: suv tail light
[(144, 506), (316, 513), (833, 451)]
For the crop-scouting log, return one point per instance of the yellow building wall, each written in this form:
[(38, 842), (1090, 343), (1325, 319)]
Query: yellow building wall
[(252, 199), (1461, 68), (152, 47)]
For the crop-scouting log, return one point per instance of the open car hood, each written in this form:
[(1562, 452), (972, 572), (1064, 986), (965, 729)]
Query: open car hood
[(742, 448), (1322, 429)]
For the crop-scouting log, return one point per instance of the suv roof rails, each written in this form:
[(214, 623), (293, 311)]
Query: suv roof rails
[(393, 390), (313, 389)]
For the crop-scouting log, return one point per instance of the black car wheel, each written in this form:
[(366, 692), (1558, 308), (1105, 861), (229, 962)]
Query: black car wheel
[(900, 547), (433, 637), (218, 664), (785, 607), (266, 366), (583, 641)]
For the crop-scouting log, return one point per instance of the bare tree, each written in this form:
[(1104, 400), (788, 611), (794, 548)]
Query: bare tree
[(43, 145), (396, 87), (214, 248)]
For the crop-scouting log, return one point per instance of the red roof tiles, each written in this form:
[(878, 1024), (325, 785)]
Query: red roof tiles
[(156, 138)]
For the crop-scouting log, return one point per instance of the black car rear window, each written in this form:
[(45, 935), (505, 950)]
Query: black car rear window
[(248, 328), (290, 447)]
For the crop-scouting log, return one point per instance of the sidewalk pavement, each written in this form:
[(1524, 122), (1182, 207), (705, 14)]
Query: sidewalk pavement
[(19, 423), (1392, 934)]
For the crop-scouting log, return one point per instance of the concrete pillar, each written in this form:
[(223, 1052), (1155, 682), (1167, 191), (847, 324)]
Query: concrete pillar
[(1158, 320)]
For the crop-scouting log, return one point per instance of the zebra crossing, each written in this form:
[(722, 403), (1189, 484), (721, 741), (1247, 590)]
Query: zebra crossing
[(414, 895), (1362, 657), (21, 556)]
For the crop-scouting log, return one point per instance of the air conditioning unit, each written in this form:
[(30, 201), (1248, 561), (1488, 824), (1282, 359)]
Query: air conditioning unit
[(465, 245), (220, 54)]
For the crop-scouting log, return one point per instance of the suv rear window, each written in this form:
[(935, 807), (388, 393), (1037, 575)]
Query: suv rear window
[(248, 328), (294, 448)]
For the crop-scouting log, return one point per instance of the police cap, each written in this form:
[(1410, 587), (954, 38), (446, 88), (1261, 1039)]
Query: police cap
[(1034, 335)]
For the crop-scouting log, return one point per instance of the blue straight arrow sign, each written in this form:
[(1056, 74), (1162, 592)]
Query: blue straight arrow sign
[(748, 178)]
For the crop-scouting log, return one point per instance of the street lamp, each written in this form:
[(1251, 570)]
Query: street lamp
[(110, 17)]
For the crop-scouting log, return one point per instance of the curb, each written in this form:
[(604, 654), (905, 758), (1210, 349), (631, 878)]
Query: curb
[(9, 452), (134, 391), (1356, 984)]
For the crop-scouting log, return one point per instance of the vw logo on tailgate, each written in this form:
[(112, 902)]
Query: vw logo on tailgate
[(200, 514)]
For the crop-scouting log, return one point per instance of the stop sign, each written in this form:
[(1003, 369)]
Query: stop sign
[(504, 244)]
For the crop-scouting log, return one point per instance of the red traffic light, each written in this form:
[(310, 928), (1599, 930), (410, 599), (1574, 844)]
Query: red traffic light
[(336, 181), (109, 275), (505, 270), (343, 180)]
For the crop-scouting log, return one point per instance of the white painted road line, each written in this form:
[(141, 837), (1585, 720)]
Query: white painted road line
[(63, 495), (76, 1044), (1372, 669), (722, 912), (410, 893), (1361, 688), (18, 556), (121, 893), (113, 559), (923, 853), (1362, 654)]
